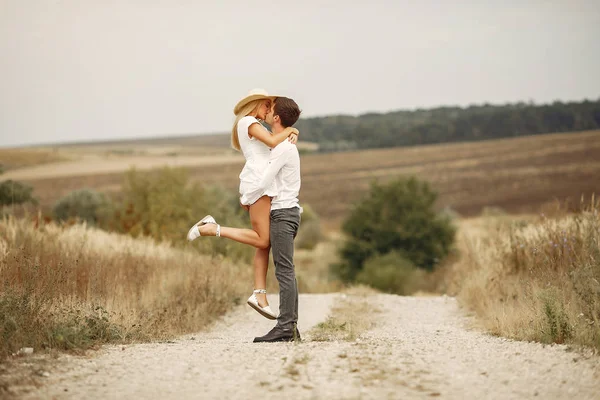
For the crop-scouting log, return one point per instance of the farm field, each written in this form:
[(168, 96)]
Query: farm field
[(518, 175)]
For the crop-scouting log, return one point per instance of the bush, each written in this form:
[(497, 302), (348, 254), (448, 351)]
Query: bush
[(309, 234), (163, 204), (391, 273), (12, 192), (85, 205), (396, 217)]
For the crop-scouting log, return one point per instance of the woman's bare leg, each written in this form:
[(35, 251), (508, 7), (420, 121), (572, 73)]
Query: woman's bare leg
[(261, 266), (258, 236)]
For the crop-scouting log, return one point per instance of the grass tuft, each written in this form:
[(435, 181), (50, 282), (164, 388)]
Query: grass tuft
[(350, 316)]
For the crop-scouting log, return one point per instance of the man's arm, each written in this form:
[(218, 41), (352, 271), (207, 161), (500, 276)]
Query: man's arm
[(277, 160)]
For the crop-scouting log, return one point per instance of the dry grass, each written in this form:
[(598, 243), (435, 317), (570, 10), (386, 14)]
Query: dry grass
[(19, 158), (75, 287), (518, 175), (313, 267), (350, 316), (533, 278)]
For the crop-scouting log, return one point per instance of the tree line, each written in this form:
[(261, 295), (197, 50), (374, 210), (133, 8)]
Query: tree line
[(448, 124)]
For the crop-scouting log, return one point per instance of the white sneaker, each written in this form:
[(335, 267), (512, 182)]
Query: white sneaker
[(194, 232), (264, 311)]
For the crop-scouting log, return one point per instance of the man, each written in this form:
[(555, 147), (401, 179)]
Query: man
[(284, 168)]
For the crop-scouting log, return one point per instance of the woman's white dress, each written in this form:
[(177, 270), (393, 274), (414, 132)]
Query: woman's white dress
[(257, 158)]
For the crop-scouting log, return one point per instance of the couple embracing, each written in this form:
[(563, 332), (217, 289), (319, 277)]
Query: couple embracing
[(269, 187)]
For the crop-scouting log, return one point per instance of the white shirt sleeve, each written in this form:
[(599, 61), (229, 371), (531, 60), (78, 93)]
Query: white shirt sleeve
[(277, 159), (244, 125)]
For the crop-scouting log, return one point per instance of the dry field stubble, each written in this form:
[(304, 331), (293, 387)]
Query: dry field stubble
[(518, 175), (19, 158), (74, 287)]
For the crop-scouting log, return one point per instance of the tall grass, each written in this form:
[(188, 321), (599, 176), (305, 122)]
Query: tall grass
[(534, 280), (74, 287), (313, 267)]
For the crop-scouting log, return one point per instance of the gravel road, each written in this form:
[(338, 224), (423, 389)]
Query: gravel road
[(419, 347)]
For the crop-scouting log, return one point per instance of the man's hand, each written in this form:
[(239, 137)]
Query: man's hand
[(245, 207), (293, 138)]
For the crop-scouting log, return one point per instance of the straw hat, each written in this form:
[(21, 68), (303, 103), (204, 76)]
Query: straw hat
[(254, 94)]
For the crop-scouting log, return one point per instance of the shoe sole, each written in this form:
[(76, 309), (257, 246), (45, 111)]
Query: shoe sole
[(260, 311), (274, 341)]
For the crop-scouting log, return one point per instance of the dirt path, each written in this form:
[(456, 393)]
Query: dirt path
[(420, 347)]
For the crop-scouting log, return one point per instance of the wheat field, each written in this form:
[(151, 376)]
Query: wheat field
[(519, 175)]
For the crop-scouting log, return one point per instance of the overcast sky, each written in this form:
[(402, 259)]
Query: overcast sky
[(81, 70)]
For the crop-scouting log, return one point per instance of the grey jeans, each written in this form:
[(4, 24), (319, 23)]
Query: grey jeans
[(284, 227)]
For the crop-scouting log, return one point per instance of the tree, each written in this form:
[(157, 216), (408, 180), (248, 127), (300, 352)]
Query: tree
[(395, 217), (448, 124)]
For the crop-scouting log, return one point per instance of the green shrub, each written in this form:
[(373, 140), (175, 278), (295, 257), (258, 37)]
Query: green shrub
[(391, 273), (309, 234), (13, 192), (86, 205), (398, 216), (163, 204)]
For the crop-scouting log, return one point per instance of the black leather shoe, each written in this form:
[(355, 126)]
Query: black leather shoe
[(278, 335)]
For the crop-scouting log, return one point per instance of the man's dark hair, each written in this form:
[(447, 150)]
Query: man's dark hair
[(288, 111)]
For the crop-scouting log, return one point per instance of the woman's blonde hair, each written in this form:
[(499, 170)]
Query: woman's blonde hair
[(248, 109)]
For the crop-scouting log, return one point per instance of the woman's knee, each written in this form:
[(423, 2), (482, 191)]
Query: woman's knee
[(263, 243)]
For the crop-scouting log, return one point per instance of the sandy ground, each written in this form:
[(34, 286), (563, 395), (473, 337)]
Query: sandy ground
[(419, 347)]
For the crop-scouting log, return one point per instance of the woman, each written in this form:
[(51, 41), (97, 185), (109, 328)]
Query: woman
[(250, 137)]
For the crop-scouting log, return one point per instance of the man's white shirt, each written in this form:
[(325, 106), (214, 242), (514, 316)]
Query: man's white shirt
[(284, 168)]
